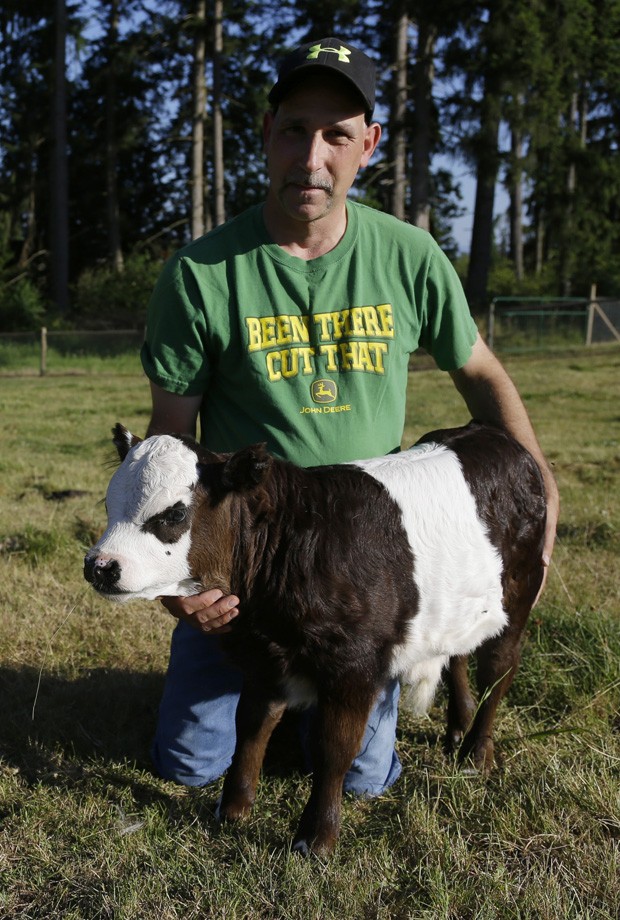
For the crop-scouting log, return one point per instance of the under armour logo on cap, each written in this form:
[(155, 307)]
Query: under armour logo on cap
[(343, 53), (333, 56)]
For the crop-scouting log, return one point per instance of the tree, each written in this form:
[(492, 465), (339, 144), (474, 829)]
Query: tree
[(111, 140), (59, 214), (569, 97), (514, 182), (424, 128), (399, 113), (121, 165), (591, 249), (218, 127), (199, 105), (25, 42), (161, 110)]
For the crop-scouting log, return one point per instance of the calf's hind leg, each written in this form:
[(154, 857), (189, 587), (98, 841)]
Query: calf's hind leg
[(497, 661), (461, 704), (257, 717)]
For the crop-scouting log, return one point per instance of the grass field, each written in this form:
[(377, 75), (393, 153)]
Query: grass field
[(87, 831)]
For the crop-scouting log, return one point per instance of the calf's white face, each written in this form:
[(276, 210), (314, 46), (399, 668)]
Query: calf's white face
[(144, 551)]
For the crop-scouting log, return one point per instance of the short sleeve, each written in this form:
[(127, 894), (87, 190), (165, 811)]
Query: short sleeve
[(448, 329), (175, 350)]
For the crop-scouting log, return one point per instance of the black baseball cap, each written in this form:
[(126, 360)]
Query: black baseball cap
[(333, 56)]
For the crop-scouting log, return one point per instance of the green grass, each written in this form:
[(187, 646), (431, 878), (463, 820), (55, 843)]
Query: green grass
[(87, 831), (70, 352)]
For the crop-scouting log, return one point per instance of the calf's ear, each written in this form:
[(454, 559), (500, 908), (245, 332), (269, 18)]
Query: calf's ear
[(246, 469), (123, 440)]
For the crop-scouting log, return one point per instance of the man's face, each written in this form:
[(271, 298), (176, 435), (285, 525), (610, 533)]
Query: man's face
[(315, 144)]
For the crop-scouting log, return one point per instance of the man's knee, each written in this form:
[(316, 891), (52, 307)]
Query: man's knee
[(195, 734), (377, 766), (187, 769)]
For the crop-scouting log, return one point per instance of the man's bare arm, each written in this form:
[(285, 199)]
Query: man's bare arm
[(491, 396), (173, 414)]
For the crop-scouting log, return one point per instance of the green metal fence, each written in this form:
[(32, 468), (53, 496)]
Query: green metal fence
[(517, 324)]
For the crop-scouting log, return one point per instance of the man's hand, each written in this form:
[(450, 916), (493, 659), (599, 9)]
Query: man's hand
[(210, 612), (553, 511)]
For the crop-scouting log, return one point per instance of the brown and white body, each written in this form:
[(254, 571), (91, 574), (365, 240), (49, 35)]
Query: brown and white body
[(347, 575)]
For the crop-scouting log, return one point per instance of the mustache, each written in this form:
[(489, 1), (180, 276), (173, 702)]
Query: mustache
[(310, 182)]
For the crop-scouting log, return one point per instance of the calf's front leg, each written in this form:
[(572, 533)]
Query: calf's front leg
[(337, 737), (257, 717)]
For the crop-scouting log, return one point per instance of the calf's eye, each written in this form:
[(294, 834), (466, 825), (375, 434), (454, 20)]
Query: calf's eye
[(168, 525), (175, 516)]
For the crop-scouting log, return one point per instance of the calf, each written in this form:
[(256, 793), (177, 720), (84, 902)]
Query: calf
[(347, 575)]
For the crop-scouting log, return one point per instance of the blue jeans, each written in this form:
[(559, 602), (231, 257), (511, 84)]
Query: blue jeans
[(195, 736)]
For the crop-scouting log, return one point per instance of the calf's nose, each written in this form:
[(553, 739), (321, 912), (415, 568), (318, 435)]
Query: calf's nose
[(102, 574)]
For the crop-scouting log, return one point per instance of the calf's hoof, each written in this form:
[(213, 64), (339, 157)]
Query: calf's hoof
[(477, 756), (301, 847), (453, 741), (233, 809), (322, 847)]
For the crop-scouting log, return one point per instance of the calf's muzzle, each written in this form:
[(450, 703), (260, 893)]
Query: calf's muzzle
[(102, 574)]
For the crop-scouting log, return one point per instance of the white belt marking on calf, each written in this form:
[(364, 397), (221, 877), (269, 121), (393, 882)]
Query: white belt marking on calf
[(457, 569)]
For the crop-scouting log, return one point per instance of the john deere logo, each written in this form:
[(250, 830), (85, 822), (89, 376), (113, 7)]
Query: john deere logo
[(343, 53), (324, 391)]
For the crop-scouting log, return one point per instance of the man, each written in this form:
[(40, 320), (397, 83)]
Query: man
[(293, 324)]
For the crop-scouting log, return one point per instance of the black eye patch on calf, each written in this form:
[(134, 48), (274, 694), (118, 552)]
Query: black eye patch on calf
[(169, 525)]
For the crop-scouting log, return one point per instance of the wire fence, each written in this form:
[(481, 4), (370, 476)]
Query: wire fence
[(70, 352), (514, 324), (519, 324)]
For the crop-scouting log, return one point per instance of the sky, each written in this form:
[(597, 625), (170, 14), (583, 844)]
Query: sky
[(462, 226)]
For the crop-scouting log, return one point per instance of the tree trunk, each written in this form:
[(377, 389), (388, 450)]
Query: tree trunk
[(420, 212), (218, 130), (578, 124), (27, 246), (198, 121), (59, 229), (540, 242), (111, 143), (399, 112), (516, 204), (486, 177)]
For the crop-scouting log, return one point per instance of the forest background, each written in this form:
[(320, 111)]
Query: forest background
[(129, 127)]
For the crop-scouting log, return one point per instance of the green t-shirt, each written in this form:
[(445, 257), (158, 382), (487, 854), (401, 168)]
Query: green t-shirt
[(309, 356)]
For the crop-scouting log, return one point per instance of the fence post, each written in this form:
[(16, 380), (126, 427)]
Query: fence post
[(43, 365), (591, 308)]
